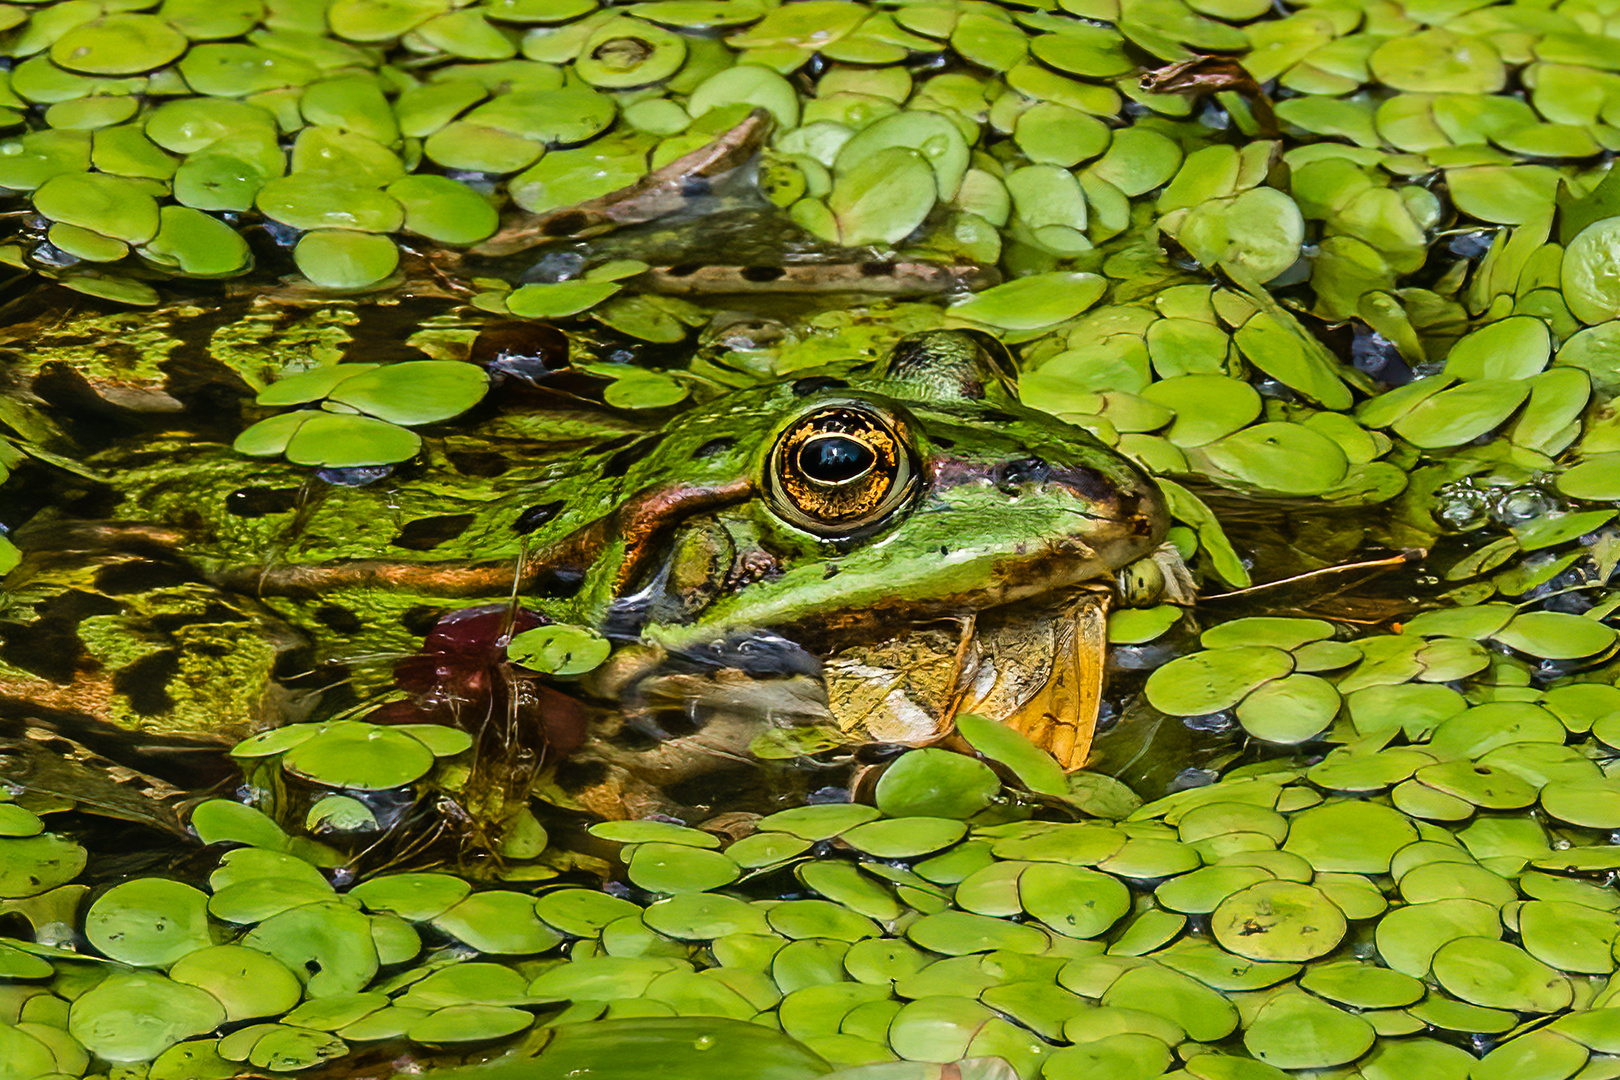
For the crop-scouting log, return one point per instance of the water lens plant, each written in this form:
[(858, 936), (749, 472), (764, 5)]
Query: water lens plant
[(1349, 266)]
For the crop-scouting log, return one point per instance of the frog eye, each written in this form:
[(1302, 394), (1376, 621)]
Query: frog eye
[(839, 470)]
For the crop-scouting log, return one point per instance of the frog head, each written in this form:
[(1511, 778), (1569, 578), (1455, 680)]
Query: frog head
[(823, 509)]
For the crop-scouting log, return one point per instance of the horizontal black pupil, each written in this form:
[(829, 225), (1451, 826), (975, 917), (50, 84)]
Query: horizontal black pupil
[(835, 459)]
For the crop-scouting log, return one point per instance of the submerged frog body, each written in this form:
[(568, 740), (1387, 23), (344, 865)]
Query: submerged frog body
[(860, 558)]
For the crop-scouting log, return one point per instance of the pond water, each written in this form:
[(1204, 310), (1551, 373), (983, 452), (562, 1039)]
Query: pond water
[(1039, 540)]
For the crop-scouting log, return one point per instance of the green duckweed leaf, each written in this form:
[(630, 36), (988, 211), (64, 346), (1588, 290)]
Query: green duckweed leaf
[(1589, 275), (818, 822), (118, 44), (135, 1017), (218, 820), (1496, 974), (1213, 680), (285, 1049), (416, 896), (114, 206), (414, 392), (1295, 1031), (1031, 302), (362, 756), (1073, 901), (196, 244), (1278, 920), (1461, 414), (149, 922), (703, 916), (904, 837), (1290, 459), (1555, 635), (882, 197), (328, 945), (248, 983), (559, 649), (36, 864), (468, 1023), (936, 783), (558, 300), (1596, 479), (342, 260), (330, 440), (500, 922), (1290, 709), (672, 868)]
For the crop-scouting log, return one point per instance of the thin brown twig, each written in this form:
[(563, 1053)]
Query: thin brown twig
[(1371, 564)]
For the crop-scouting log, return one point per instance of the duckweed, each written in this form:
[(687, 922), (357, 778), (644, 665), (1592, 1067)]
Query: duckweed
[(1455, 232)]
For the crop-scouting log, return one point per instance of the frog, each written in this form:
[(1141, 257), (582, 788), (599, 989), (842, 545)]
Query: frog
[(763, 559), (919, 532)]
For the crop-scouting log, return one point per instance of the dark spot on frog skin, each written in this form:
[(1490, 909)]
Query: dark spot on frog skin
[(877, 269), (480, 465), (213, 613), (49, 646), (145, 682), (620, 463), (257, 502), (560, 582), (536, 516), (713, 447), (427, 533), (761, 273), (141, 575), (340, 619), (806, 387), (681, 270), (419, 621)]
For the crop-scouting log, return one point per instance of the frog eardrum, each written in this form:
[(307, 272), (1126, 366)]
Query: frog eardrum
[(841, 470)]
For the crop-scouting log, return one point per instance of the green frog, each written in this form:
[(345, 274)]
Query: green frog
[(867, 558), (860, 556)]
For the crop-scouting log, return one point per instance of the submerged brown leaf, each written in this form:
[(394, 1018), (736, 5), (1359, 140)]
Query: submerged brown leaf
[(1202, 76), (653, 196)]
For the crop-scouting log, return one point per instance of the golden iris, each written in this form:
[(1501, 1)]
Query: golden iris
[(840, 469)]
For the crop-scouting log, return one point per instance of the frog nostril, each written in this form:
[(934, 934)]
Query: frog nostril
[(835, 459), (1012, 475)]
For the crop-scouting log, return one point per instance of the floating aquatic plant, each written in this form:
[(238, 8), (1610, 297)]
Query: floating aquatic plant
[(366, 412)]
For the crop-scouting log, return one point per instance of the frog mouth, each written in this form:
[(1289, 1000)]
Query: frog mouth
[(1036, 667)]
